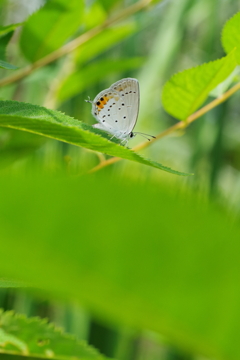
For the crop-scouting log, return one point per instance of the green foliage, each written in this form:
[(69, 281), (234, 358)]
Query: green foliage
[(103, 41), (4, 30), (6, 33), (34, 337), (56, 125), (94, 241), (48, 29), (89, 75), (186, 91), (7, 66), (128, 245), (7, 283), (231, 36)]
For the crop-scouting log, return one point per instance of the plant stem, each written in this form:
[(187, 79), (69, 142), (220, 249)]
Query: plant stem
[(74, 44), (179, 125)]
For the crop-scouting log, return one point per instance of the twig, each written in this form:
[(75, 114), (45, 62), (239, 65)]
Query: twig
[(74, 44), (179, 125)]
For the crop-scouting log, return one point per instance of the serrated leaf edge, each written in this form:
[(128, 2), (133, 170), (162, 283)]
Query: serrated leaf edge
[(52, 327)]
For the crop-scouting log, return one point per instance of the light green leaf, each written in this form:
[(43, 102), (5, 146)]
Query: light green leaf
[(94, 15), (8, 339), (48, 29), (231, 36), (103, 41), (91, 74), (137, 253), (59, 126), (7, 66), (187, 90), (36, 338)]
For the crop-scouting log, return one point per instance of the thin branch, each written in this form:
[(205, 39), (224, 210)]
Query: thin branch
[(179, 125), (74, 44)]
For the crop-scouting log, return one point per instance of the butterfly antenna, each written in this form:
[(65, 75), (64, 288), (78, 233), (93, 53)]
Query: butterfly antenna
[(145, 135), (89, 100)]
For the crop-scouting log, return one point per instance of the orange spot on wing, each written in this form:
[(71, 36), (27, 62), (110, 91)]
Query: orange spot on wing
[(103, 101)]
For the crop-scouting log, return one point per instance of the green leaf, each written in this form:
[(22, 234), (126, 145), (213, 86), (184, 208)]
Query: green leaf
[(59, 126), (9, 28), (6, 33), (231, 36), (187, 90), (48, 29), (103, 41), (93, 73), (16, 145), (109, 4), (33, 337), (94, 15), (7, 283), (7, 66), (4, 40), (137, 253), (8, 339)]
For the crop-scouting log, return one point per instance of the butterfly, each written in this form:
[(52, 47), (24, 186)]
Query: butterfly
[(116, 109)]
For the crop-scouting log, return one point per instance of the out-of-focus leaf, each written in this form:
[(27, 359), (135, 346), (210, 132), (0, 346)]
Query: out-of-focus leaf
[(7, 66), (224, 86), (8, 340), (34, 337), (94, 15), (59, 126), (187, 90), (91, 74), (6, 33), (9, 28), (231, 36), (4, 40), (101, 42), (7, 283), (16, 145), (154, 2), (136, 253), (109, 4), (48, 28)]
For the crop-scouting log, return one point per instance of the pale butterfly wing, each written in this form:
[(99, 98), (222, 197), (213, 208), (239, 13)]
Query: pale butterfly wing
[(116, 109)]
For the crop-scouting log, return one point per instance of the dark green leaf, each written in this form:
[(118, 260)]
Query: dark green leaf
[(6, 33), (9, 28)]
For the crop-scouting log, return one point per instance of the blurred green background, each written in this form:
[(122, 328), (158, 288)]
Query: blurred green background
[(151, 45)]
